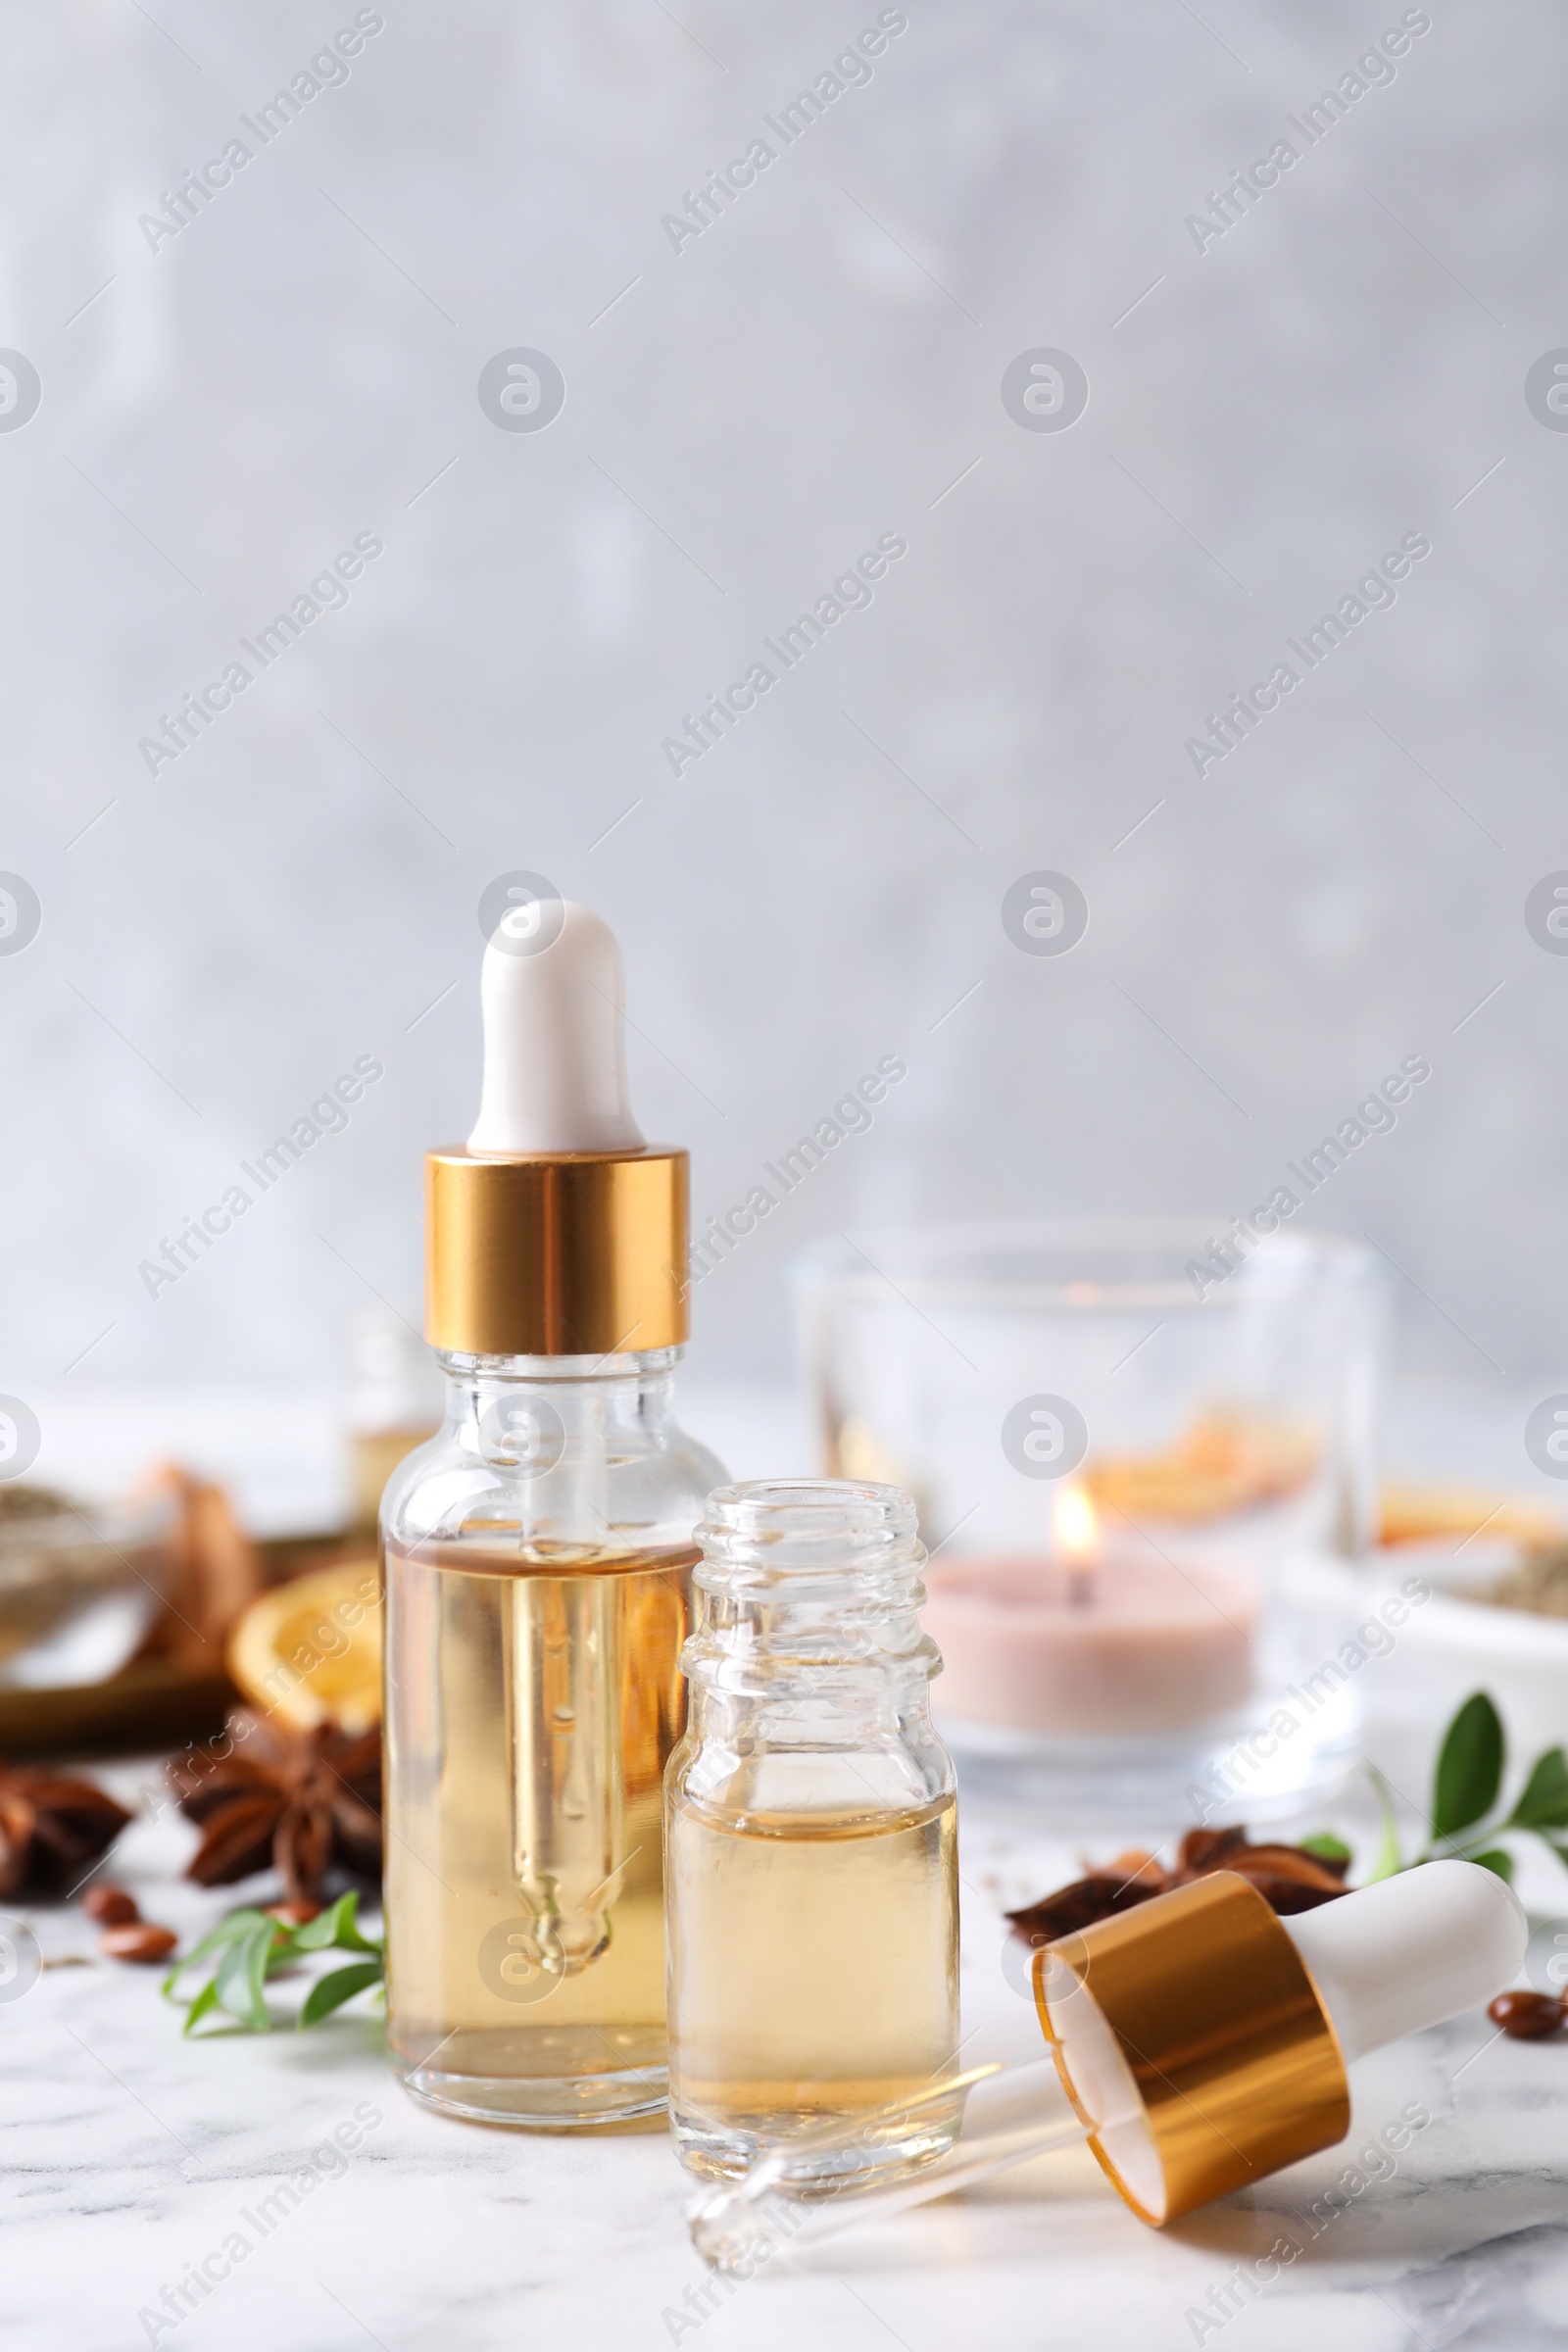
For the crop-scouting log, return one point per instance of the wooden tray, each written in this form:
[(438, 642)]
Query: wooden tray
[(154, 1703)]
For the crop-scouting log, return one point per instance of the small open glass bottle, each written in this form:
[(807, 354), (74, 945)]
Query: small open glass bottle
[(811, 1834)]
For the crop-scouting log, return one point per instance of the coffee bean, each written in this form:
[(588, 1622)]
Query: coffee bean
[(140, 1941), (293, 1914), (1527, 2016), (111, 1906)]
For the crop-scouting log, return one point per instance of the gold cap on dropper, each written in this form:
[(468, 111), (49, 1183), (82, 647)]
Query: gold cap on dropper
[(559, 1254), (1202, 2001)]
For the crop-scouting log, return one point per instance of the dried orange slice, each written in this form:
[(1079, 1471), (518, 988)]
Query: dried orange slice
[(1226, 1461), (310, 1652), (1413, 1513)]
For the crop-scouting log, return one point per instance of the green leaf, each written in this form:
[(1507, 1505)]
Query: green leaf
[(1543, 1804), (241, 1975), (1495, 1859), (206, 2001), (227, 1932), (250, 1946), (1390, 1858), (336, 1929), (1469, 1768), (1327, 1848), (1557, 1847), (330, 1993)]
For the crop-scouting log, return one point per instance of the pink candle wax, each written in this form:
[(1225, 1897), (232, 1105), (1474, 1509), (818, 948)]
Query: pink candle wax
[(1138, 1645)]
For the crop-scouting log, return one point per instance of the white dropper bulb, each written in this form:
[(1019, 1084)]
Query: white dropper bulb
[(1412, 1951), (554, 1057)]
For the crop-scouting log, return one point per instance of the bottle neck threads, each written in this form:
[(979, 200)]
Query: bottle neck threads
[(817, 1578)]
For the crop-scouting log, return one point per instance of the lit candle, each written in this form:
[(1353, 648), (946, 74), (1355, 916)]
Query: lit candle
[(1091, 1639), (1076, 1533)]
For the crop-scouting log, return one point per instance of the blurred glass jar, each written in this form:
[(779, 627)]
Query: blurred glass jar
[(1145, 1472), (395, 1403), (80, 1584)]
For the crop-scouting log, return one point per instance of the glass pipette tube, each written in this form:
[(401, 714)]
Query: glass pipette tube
[(1011, 2113)]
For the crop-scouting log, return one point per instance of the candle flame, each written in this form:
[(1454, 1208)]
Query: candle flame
[(1075, 1525)]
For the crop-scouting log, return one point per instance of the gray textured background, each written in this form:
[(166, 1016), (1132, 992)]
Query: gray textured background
[(818, 368)]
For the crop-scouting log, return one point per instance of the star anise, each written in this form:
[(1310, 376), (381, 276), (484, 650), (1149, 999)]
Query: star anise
[(302, 1801), (1289, 1878), (53, 1828)]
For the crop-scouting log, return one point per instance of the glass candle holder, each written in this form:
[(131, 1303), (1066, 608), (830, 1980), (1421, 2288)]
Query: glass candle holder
[(1143, 1467)]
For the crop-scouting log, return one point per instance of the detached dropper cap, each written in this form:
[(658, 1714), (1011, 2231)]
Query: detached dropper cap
[(555, 1229), (1203, 2042), (1199, 2044)]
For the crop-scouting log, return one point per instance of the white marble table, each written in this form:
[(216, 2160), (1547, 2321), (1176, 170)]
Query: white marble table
[(130, 2157)]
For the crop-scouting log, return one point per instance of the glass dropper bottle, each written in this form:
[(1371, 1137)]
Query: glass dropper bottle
[(1197, 2044), (538, 1554)]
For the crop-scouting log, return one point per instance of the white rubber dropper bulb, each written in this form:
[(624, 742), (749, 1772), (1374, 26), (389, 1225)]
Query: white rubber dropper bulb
[(555, 1055), (1410, 1951)]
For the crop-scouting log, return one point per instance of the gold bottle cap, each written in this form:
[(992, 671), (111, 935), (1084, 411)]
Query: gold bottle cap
[(1192, 2040), (556, 1253)]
